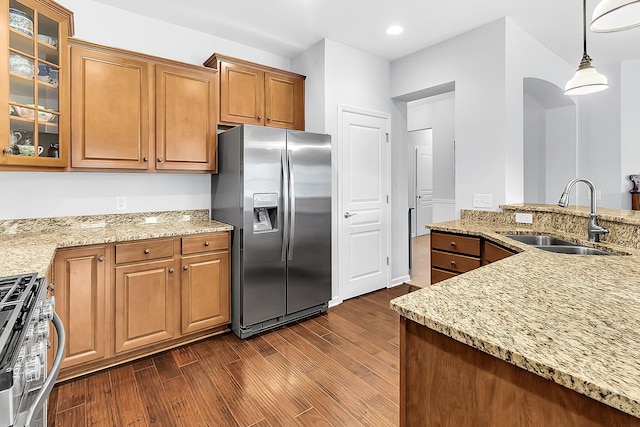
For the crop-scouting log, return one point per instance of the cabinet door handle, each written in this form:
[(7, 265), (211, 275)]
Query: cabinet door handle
[(453, 263), (206, 243), (160, 160), (171, 270), (145, 159), (100, 258), (259, 118), (146, 251), (185, 268), (453, 244)]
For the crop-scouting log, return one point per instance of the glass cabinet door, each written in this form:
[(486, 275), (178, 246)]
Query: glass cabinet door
[(35, 119)]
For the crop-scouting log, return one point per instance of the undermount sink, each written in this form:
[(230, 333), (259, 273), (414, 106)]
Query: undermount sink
[(553, 244), (539, 240), (579, 250)]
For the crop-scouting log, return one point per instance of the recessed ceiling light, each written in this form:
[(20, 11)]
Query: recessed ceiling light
[(394, 30)]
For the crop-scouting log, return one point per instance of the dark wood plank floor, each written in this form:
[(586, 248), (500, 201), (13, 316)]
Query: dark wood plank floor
[(338, 369)]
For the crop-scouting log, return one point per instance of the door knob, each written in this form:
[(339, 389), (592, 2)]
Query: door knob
[(349, 215)]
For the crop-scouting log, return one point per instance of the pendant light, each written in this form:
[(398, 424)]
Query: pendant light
[(587, 79), (615, 15)]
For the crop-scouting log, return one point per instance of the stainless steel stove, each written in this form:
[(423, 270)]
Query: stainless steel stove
[(25, 312)]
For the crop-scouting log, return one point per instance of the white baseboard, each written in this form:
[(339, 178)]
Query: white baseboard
[(335, 301), (399, 281)]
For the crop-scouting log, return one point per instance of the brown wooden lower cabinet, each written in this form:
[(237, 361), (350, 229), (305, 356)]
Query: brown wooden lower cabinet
[(123, 301), (446, 383), (453, 254), (145, 299), (80, 278), (205, 291)]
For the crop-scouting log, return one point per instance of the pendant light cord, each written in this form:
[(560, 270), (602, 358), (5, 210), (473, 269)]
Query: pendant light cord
[(586, 60)]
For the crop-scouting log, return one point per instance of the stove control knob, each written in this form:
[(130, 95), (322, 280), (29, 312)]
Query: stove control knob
[(30, 334), (33, 369), (46, 312), (17, 376), (40, 349), (42, 331)]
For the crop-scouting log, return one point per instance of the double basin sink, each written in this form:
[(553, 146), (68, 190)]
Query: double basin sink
[(553, 244)]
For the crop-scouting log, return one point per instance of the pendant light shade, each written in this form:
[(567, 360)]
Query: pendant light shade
[(587, 79), (615, 15)]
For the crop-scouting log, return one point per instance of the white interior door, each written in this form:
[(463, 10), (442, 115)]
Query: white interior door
[(424, 189), (364, 213)]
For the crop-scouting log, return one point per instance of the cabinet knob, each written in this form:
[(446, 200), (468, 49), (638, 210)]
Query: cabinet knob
[(146, 251), (268, 118), (206, 243), (7, 150), (185, 268), (100, 258), (160, 160), (453, 244), (259, 117), (171, 270), (51, 287), (145, 159), (453, 263)]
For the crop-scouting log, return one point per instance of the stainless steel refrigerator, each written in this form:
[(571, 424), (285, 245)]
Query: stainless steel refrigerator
[(274, 187)]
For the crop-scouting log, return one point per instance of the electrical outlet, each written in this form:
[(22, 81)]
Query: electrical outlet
[(524, 218), (482, 200), (121, 203)]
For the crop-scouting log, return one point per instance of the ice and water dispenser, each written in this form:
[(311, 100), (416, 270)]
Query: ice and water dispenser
[(265, 212)]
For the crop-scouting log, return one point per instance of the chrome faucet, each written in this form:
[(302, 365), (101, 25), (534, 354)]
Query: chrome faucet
[(593, 228)]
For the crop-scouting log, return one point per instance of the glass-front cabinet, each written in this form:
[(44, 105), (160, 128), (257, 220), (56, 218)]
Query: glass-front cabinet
[(35, 89)]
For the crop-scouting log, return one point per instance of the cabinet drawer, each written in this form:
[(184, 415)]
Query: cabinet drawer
[(456, 243), (493, 253), (453, 262), (205, 243), (143, 251), (438, 275)]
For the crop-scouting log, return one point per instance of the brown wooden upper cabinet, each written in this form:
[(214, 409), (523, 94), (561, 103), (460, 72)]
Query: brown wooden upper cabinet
[(138, 112), (255, 94), (34, 84)]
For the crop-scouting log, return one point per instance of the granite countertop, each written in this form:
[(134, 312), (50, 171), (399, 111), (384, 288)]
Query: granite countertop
[(28, 246), (572, 319)]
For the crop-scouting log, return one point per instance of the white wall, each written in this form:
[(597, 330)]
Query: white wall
[(535, 167), (599, 141), (311, 64), (475, 61), (629, 127), (525, 58), (79, 193)]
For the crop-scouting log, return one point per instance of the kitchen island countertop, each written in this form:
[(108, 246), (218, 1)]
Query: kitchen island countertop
[(572, 319), (31, 248)]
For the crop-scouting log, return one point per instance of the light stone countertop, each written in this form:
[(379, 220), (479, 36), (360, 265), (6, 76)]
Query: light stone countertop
[(33, 247), (572, 319)]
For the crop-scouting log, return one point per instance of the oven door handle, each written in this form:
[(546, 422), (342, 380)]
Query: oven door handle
[(53, 373)]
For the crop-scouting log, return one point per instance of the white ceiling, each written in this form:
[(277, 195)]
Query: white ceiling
[(288, 27)]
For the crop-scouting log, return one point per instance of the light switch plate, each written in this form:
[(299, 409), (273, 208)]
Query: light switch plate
[(482, 200), (524, 218)]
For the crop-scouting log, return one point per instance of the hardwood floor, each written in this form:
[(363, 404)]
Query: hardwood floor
[(338, 369)]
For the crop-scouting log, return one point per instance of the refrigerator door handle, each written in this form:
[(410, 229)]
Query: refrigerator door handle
[(292, 204), (285, 197)]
